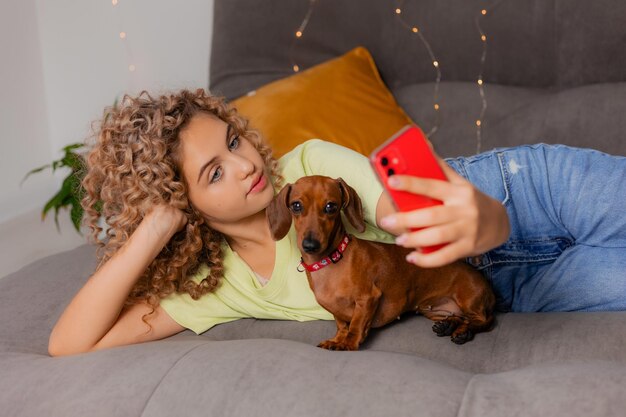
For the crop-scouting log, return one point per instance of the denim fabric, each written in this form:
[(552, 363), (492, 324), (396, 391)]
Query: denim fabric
[(567, 208)]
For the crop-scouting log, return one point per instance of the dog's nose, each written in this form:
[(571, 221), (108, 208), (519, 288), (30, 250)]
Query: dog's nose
[(310, 245)]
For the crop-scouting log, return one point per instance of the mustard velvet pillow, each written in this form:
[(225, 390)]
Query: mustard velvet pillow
[(343, 100)]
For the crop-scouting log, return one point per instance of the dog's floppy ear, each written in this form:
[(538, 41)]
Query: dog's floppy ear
[(351, 206), (278, 214)]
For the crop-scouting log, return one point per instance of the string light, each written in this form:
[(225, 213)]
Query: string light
[(481, 83), (481, 87), (436, 64), (415, 30), (299, 34), (123, 35)]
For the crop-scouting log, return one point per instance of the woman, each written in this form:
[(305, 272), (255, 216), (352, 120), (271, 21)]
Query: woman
[(183, 185)]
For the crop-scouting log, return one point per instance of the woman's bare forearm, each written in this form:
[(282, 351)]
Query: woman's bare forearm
[(97, 306)]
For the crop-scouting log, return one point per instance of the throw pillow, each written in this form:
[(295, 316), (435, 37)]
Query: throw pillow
[(342, 100)]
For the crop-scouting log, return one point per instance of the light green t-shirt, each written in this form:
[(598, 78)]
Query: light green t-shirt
[(287, 295)]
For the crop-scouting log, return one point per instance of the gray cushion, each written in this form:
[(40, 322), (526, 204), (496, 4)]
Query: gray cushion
[(270, 377), (581, 389), (529, 364), (115, 382), (33, 298), (588, 116)]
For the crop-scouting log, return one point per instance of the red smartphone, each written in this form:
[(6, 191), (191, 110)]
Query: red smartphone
[(407, 153)]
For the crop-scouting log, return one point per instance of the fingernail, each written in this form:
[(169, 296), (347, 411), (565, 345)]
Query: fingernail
[(400, 240), (393, 182), (410, 258), (388, 221)]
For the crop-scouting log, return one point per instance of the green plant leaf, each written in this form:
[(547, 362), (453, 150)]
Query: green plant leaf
[(60, 198), (34, 171), (71, 192), (76, 214), (71, 147), (57, 164), (55, 202), (56, 217), (72, 161)]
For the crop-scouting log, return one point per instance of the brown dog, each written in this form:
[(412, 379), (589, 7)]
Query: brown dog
[(369, 284)]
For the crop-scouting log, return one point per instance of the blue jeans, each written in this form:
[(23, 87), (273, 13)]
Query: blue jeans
[(567, 209)]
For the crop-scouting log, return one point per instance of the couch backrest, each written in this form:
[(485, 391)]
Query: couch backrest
[(532, 43)]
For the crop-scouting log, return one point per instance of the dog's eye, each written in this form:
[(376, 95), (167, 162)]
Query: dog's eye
[(330, 208), (296, 207)]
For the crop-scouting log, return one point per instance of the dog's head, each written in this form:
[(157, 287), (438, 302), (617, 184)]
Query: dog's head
[(314, 204)]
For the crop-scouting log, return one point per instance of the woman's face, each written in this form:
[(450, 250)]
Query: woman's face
[(226, 176)]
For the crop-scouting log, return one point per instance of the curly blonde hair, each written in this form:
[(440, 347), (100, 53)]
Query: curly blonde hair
[(134, 163)]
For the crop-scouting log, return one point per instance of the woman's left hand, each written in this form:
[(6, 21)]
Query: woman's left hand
[(469, 222)]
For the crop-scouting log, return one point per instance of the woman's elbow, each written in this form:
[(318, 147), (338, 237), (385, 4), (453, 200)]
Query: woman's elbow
[(55, 350), (57, 346)]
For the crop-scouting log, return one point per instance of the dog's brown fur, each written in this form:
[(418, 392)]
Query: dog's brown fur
[(373, 284)]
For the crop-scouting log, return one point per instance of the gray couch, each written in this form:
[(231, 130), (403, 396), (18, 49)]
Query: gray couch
[(555, 72)]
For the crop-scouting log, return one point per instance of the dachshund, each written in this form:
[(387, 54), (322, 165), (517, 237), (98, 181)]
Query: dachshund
[(368, 284)]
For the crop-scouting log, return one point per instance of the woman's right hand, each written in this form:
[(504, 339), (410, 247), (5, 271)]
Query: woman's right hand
[(469, 222), (165, 220)]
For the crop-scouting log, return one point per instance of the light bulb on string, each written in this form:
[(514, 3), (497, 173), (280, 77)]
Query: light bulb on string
[(299, 33), (124, 36), (481, 82), (436, 64)]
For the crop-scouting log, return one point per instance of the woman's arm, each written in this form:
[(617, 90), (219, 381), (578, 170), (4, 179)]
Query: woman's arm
[(469, 221), (95, 317)]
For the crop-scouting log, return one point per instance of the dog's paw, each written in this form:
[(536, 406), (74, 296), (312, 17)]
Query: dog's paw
[(334, 345), (444, 328), (459, 339), (327, 344)]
